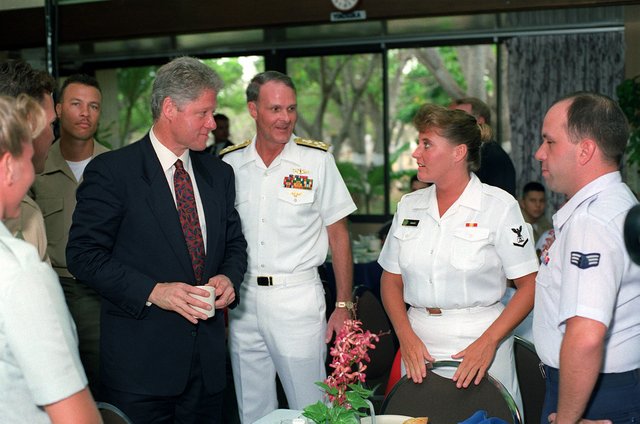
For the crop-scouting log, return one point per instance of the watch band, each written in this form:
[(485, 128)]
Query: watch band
[(348, 305)]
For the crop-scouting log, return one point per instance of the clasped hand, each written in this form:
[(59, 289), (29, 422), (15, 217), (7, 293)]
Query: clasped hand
[(176, 296)]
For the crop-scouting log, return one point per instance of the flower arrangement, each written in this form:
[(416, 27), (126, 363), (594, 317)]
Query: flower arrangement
[(343, 388)]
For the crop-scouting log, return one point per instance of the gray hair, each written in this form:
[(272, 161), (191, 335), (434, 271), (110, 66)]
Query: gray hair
[(253, 89), (182, 80)]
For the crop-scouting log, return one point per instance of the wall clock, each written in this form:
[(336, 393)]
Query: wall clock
[(344, 5)]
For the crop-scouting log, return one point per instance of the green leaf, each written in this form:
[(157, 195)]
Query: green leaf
[(360, 390), (318, 412), (341, 415)]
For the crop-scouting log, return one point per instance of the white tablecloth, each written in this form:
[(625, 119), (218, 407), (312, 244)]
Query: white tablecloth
[(278, 415)]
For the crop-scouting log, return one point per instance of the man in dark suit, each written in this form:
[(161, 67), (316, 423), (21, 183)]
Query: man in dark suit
[(220, 134), (154, 220), (496, 167)]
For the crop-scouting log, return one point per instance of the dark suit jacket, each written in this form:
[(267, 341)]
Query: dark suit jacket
[(125, 238), (496, 167)]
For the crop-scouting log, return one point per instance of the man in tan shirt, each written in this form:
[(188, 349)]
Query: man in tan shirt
[(54, 190)]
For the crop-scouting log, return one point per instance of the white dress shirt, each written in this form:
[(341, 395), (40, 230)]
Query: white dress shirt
[(285, 226), (462, 259)]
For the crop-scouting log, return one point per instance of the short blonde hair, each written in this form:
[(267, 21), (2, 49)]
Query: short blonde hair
[(21, 120)]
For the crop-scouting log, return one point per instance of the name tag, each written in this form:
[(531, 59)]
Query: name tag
[(410, 222)]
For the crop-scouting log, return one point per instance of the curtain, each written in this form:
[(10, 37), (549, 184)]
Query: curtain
[(543, 68)]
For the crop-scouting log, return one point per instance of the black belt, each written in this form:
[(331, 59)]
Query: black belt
[(612, 379)]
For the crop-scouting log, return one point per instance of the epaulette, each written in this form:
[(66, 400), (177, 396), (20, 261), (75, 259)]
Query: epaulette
[(234, 148), (312, 143)]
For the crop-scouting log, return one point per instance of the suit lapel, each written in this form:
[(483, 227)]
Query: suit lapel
[(163, 207)]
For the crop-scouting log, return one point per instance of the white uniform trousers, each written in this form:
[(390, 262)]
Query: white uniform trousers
[(278, 329), (454, 330)]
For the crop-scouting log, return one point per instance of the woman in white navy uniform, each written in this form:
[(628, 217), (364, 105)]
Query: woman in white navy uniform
[(451, 248)]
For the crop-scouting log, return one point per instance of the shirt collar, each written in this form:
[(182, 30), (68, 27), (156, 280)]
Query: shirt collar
[(166, 157), (471, 197), (585, 193), (290, 153)]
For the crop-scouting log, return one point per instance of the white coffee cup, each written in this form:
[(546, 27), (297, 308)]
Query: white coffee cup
[(210, 300)]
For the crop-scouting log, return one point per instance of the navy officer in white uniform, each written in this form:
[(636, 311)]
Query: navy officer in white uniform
[(586, 321), (293, 204), (448, 255)]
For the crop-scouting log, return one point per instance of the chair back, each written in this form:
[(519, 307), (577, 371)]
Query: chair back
[(111, 414), (532, 384), (371, 313), (439, 399)]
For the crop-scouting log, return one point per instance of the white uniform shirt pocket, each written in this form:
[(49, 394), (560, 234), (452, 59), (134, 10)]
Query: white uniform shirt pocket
[(407, 238), (467, 250), (296, 197), (296, 211)]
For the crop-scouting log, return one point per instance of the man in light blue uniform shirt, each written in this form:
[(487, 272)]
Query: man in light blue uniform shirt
[(587, 308)]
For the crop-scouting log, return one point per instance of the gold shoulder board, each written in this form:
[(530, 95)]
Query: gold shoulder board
[(234, 148), (312, 143)]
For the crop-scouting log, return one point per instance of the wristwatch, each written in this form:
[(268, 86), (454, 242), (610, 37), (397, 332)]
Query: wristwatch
[(348, 305)]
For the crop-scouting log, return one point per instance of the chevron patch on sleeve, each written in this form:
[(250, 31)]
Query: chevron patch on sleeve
[(585, 260)]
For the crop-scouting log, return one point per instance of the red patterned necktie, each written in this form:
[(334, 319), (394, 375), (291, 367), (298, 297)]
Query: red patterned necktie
[(189, 218)]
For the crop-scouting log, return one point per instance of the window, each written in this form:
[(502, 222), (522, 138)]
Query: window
[(342, 100)]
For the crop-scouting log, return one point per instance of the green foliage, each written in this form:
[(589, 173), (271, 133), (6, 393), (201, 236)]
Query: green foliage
[(357, 395), (232, 96), (339, 96), (452, 63), (629, 99), (134, 93), (420, 86), (368, 184), (105, 133)]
